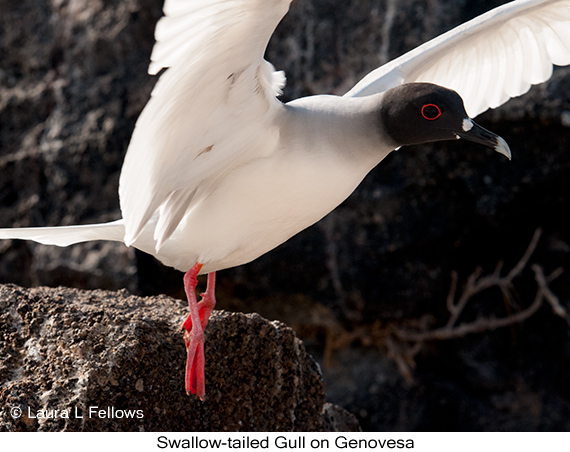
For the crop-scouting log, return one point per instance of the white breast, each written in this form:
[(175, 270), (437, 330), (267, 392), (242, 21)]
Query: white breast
[(321, 153)]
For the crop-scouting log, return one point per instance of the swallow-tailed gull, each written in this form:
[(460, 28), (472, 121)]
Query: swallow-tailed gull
[(219, 171)]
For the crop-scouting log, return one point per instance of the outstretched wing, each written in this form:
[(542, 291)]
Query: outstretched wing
[(211, 109), (487, 60), (68, 235)]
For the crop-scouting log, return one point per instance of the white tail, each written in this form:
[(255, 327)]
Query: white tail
[(68, 235)]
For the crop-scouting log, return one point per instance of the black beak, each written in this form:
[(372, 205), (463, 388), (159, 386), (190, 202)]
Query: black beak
[(477, 134)]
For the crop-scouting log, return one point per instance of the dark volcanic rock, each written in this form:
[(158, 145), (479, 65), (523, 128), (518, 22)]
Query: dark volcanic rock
[(65, 349), (72, 83)]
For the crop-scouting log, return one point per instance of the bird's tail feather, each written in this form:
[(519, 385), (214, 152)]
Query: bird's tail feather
[(68, 235)]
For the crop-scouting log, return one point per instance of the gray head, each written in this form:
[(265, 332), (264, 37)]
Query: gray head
[(416, 113)]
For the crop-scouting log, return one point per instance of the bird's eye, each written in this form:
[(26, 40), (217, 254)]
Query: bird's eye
[(431, 112)]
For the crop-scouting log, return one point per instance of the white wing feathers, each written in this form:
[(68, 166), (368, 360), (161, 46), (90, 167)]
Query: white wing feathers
[(487, 60), (216, 75), (68, 235)]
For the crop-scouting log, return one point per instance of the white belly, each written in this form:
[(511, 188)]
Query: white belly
[(257, 207), (262, 203)]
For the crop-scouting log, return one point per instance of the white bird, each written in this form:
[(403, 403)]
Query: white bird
[(219, 171)]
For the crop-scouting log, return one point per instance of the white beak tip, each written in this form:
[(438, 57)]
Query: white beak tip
[(503, 148)]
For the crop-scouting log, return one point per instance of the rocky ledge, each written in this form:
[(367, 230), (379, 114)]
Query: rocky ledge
[(110, 361)]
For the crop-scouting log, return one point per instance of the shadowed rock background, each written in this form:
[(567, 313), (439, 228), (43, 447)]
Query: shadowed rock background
[(72, 83)]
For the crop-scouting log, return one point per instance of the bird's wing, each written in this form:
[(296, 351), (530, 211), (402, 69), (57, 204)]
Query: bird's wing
[(211, 109), (68, 235), (487, 60)]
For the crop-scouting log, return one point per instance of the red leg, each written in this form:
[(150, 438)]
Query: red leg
[(194, 336), (208, 301)]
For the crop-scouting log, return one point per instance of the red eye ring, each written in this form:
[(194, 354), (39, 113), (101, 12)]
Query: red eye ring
[(430, 116)]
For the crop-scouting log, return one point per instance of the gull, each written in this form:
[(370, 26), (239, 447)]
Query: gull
[(219, 171)]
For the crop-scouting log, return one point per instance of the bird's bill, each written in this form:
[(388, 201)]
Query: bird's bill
[(477, 134)]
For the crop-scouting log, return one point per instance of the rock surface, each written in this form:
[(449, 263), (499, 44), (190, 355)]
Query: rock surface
[(72, 83), (97, 356)]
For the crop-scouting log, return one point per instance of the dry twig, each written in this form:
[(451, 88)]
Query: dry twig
[(404, 344), (411, 341), (476, 284)]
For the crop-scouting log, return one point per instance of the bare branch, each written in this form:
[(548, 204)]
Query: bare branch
[(517, 269), (475, 284), (478, 326), (452, 291), (545, 290), (404, 344)]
